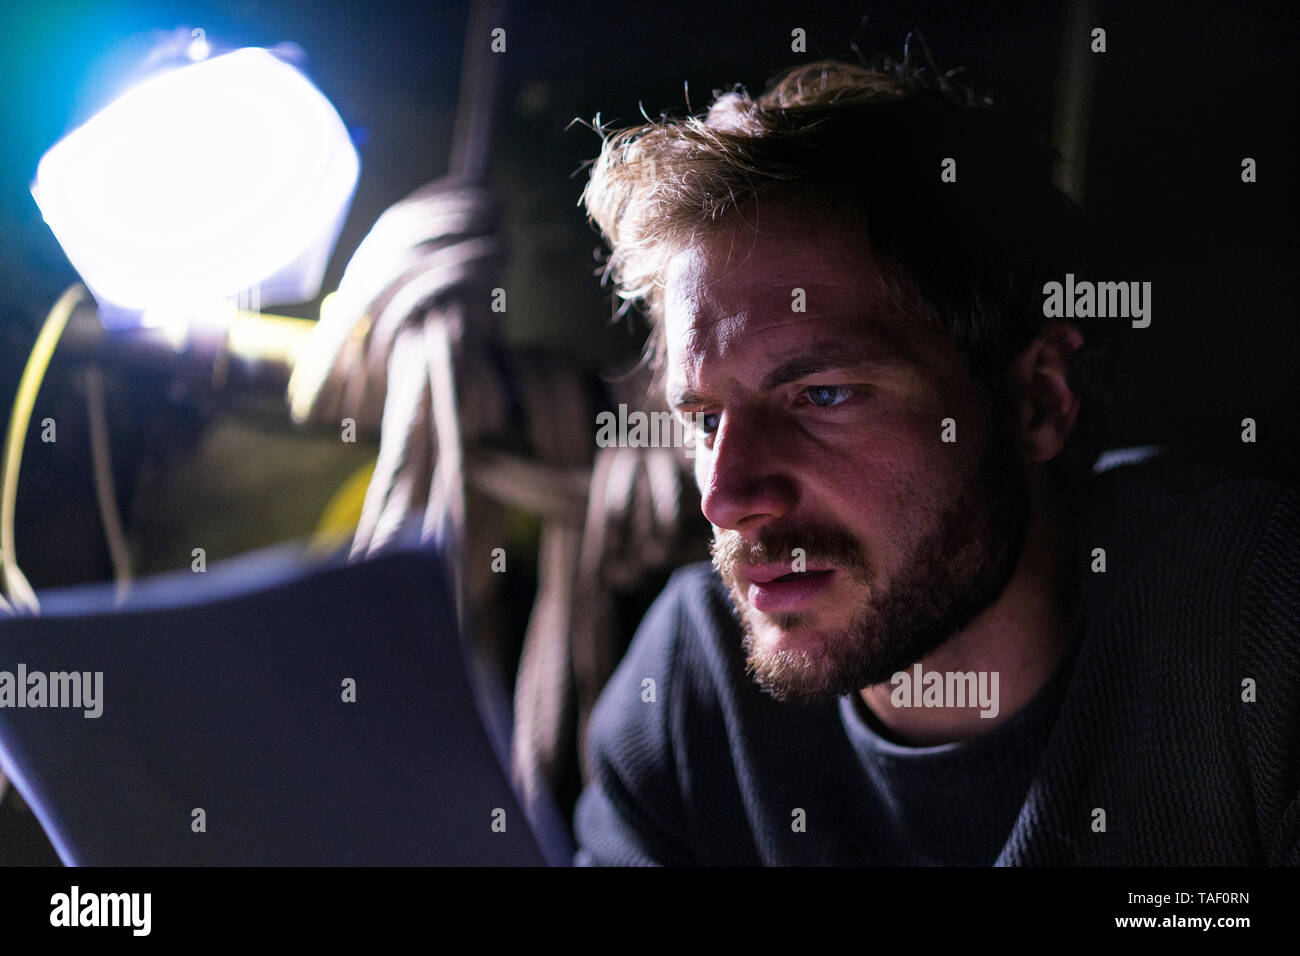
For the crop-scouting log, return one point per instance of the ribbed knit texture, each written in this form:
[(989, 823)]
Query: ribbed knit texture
[(1143, 719)]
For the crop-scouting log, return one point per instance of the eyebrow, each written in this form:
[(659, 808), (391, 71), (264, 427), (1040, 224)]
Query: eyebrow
[(804, 364), (823, 360)]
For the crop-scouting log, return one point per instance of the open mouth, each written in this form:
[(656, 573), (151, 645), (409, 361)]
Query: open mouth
[(789, 592), (796, 576)]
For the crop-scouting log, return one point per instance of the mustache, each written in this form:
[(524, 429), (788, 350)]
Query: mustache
[(821, 544)]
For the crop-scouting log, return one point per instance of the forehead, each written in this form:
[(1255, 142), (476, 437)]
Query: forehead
[(747, 296)]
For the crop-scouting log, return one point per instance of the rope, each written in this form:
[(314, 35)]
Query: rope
[(403, 346)]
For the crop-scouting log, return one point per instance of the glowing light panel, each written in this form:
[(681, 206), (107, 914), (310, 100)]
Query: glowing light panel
[(204, 181)]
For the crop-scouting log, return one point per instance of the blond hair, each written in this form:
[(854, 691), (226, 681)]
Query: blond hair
[(868, 143)]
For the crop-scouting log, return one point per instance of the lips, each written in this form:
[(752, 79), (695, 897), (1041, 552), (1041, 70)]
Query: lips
[(775, 589), (763, 573)]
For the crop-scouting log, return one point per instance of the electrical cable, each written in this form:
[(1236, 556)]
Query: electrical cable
[(20, 592), (105, 493)]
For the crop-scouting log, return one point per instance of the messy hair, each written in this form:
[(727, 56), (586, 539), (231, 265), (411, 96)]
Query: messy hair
[(969, 255)]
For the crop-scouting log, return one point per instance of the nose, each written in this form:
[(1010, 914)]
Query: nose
[(744, 481)]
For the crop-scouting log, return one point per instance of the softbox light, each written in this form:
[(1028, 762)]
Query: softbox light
[(200, 183)]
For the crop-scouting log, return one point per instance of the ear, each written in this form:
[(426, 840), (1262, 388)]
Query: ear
[(1046, 405)]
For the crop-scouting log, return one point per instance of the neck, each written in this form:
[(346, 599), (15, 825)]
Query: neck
[(1019, 638)]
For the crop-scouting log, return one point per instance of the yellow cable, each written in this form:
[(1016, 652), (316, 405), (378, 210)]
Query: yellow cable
[(338, 522), (20, 592)]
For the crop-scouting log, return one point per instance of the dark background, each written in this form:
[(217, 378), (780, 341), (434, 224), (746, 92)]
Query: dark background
[(1183, 93)]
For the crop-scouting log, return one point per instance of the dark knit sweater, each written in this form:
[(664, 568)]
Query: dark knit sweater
[(1143, 718)]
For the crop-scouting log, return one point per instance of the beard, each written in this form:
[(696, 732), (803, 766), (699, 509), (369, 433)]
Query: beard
[(951, 571)]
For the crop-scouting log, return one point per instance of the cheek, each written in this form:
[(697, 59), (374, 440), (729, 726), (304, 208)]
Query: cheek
[(925, 443), (887, 484), (865, 483)]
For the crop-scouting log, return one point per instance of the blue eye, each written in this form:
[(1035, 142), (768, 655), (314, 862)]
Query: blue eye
[(708, 422), (826, 396)]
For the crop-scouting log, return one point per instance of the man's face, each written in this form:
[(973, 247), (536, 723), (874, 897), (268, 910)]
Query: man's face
[(854, 540)]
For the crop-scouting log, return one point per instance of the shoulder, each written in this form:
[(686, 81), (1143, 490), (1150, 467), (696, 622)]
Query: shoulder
[(1200, 565), (1200, 608), (1200, 541), (1184, 516)]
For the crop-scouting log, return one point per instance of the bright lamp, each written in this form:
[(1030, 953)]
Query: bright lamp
[(226, 175)]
